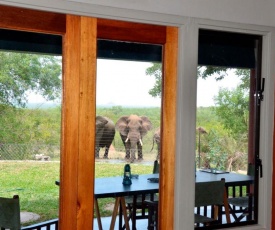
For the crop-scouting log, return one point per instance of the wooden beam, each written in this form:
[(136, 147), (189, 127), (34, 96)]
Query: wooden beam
[(78, 124), (168, 146), (32, 20), (129, 31)]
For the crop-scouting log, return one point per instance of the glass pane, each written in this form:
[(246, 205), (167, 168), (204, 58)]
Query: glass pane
[(128, 110), (30, 118), (226, 127)]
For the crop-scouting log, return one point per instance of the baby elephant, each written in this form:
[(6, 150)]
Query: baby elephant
[(105, 133), (156, 139)]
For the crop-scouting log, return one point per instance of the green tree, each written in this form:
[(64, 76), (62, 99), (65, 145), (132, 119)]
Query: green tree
[(21, 73), (36, 126), (224, 152), (156, 71), (208, 71), (232, 106)]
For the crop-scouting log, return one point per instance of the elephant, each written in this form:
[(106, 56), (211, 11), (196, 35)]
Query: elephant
[(105, 133), (156, 139), (132, 129)]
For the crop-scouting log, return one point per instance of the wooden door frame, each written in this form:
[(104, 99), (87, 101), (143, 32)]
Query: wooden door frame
[(78, 106)]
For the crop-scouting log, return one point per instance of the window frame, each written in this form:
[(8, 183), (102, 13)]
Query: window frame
[(186, 113), (80, 71)]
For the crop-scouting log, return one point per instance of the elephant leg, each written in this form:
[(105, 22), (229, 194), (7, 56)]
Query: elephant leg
[(140, 156), (106, 153), (127, 149), (158, 156), (133, 155), (97, 152)]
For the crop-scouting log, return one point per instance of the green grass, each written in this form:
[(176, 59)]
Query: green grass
[(34, 182)]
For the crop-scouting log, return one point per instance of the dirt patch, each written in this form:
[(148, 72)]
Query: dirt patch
[(120, 155)]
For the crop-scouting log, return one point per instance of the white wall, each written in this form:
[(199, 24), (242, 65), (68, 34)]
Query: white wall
[(257, 12)]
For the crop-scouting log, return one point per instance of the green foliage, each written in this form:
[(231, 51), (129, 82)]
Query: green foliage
[(208, 71), (39, 126), (21, 73), (117, 109), (218, 148), (232, 106), (244, 75), (156, 71), (223, 152), (207, 118)]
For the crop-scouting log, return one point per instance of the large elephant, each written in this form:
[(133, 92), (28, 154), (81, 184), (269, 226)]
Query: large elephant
[(132, 129), (105, 132), (156, 139)]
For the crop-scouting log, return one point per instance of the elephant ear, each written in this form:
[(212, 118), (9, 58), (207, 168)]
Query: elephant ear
[(146, 125), (100, 122), (122, 125)]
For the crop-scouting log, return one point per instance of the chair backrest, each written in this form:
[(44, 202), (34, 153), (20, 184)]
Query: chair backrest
[(209, 193), (10, 213), (251, 169), (156, 167)]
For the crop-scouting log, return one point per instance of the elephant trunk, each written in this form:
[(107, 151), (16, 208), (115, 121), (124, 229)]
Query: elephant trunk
[(135, 142)]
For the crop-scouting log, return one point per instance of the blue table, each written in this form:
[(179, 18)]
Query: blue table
[(113, 187)]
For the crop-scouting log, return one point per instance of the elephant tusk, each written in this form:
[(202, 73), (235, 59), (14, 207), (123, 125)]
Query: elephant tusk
[(140, 142), (126, 139)]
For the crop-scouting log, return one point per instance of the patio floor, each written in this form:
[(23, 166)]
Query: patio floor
[(106, 221)]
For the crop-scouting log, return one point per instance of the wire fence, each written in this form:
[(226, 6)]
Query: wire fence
[(43, 152), (29, 152)]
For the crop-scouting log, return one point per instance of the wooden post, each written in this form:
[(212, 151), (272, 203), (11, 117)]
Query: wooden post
[(78, 124), (168, 147)]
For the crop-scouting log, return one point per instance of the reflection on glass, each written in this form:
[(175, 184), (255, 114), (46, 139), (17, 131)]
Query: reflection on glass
[(228, 122)]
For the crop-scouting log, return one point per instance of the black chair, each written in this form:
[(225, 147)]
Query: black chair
[(206, 194), (10, 213), (211, 194), (140, 206), (242, 206), (152, 214)]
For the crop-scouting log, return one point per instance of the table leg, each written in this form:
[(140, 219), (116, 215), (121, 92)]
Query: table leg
[(124, 211), (134, 212), (121, 201), (98, 217), (113, 221), (120, 217), (226, 206)]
